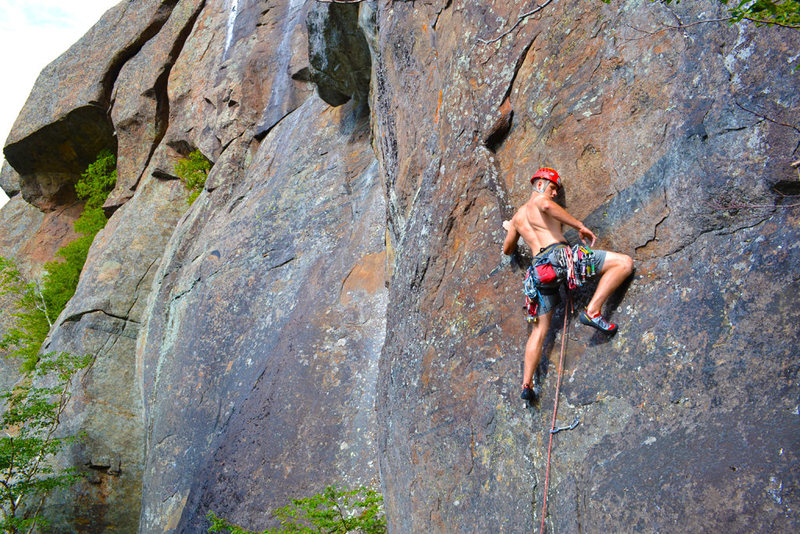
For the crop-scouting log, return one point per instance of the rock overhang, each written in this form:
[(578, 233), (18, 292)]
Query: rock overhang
[(51, 159)]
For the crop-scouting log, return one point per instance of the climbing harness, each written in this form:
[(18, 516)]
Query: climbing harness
[(573, 264), (555, 408)]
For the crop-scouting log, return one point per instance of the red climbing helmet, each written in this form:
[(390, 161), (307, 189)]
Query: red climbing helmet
[(548, 174)]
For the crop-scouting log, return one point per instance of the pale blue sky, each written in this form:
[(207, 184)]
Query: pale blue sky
[(32, 34)]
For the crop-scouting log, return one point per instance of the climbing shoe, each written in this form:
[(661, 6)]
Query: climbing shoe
[(528, 394), (597, 322)]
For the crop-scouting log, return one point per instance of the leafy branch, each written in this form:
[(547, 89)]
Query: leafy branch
[(30, 418), (782, 13), (333, 511), (30, 412)]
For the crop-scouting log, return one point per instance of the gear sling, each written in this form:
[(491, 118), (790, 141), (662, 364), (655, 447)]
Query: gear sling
[(550, 267)]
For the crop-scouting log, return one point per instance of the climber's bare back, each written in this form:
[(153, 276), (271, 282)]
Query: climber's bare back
[(532, 221)]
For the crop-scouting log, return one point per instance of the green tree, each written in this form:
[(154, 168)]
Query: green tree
[(334, 511), (193, 171), (772, 12), (30, 413), (38, 305), (30, 318), (30, 416)]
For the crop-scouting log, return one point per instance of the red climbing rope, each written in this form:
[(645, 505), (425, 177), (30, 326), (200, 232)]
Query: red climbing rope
[(555, 407)]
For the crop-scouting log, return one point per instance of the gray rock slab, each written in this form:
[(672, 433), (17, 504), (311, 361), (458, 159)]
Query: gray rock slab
[(104, 318), (9, 180), (265, 330)]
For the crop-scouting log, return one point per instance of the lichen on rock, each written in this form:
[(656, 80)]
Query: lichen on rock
[(334, 307)]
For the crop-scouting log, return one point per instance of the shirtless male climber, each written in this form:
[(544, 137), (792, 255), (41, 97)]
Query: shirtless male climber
[(539, 222)]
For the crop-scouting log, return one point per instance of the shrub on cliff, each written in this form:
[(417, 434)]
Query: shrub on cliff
[(61, 277), (40, 304), (334, 511), (193, 172), (97, 182), (772, 12)]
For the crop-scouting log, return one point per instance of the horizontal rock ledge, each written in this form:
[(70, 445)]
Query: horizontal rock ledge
[(50, 160)]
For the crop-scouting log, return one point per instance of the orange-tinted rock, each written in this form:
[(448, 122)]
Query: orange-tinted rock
[(32, 237), (64, 123), (649, 128), (335, 308)]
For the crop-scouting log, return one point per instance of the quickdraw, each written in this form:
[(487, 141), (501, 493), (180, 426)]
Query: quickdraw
[(583, 256), (531, 293), (574, 424), (577, 262), (573, 264)]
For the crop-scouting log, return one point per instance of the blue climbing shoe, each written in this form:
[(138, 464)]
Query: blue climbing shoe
[(528, 394), (597, 322)]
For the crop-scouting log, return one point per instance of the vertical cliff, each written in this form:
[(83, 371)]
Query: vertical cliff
[(675, 143), (334, 307)]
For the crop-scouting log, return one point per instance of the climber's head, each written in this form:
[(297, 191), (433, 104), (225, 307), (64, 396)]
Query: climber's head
[(542, 179)]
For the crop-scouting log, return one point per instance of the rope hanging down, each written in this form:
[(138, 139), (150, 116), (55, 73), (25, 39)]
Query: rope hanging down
[(567, 309)]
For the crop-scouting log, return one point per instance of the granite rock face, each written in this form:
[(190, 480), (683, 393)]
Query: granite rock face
[(104, 318), (334, 307), (297, 251), (65, 123), (9, 180), (659, 134)]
